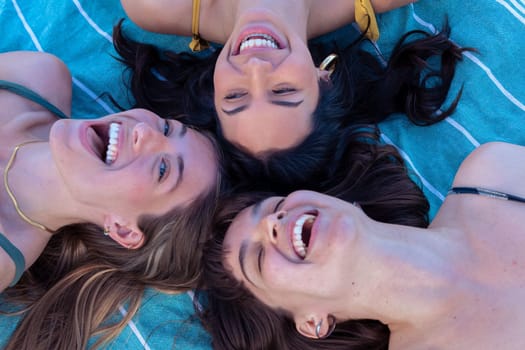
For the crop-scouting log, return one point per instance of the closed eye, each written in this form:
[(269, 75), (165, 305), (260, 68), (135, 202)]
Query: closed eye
[(235, 95), (284, 91)]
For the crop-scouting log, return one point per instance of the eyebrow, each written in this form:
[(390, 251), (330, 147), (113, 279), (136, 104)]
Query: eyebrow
[(287, 104), (183, 131), (256, 209), (242, 257), (180, 164)]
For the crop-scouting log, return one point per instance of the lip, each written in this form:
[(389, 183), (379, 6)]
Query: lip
[(313, 231), (258, 29), (84, 139), (86, 128)]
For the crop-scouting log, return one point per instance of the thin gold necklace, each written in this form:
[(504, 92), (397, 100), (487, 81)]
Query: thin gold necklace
[(12, 196)]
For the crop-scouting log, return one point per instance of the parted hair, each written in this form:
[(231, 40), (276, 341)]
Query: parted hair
[(363, 89), (368, 173)]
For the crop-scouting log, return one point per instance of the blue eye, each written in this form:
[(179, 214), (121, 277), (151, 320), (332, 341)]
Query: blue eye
[(167, 128), (162, 169)]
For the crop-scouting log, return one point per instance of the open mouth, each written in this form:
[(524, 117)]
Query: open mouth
[(302, 231), (105, 142), (258, 40)]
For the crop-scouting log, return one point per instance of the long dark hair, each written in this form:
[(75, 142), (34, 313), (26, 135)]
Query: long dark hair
[(362, 89), (367, 172)]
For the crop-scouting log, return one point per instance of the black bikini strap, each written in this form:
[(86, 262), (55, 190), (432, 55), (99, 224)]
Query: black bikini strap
[(486, 192)]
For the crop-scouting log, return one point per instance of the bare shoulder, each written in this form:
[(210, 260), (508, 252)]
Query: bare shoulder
[(42, 73), (175, 16), (496, 165)]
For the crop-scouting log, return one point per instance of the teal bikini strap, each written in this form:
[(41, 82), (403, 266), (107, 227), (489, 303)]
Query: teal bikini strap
[(16, 255), (33, 96)]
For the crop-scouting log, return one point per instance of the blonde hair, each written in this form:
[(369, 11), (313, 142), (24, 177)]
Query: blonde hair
[(82, 278)]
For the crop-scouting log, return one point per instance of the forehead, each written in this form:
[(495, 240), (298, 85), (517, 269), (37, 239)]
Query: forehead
[(240, 229)]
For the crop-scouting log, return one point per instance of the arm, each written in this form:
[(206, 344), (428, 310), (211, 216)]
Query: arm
[(328, 15), (175, 16)]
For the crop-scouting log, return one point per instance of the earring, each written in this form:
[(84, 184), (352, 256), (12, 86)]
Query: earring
[(328, 64), (330, 329), (106, 231)]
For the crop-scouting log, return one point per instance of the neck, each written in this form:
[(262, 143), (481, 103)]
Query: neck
[(32, 181), (411, 274)]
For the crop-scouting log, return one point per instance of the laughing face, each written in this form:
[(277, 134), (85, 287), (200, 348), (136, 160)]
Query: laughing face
[(290, 253), (266, 85), (133, 163)]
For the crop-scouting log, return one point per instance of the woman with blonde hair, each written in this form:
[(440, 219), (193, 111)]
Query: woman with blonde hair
[(94, 210)]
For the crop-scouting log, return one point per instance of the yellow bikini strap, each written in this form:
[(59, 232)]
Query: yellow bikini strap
[(197, 43), (366, 19)]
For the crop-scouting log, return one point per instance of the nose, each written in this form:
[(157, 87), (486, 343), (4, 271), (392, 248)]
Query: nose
[(275, 226), (146, 138), (257, 66)]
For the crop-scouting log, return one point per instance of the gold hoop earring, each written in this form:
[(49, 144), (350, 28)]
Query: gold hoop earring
[(328, 63)]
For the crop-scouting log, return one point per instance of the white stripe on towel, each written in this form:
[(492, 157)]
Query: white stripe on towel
[(513, 11), (196, 302), (91, 22), (135, 330), (35, 41), (462, 130), (478, 62), (27, 27), (91, 94), (496, 82), (424, 181)]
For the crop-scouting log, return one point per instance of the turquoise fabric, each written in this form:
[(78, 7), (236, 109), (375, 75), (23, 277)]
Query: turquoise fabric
[(492, 107), (16, 255)]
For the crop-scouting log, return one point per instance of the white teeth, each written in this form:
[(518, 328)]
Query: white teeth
[(259, 41), (112, 149), (298, 244)]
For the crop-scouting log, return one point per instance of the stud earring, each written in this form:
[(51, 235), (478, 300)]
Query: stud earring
[(106, 231)]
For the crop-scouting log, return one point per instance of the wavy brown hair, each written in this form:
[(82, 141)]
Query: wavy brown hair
[(373, 175), (83, 277)]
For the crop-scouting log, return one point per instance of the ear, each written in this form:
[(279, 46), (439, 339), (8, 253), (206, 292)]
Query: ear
[(313, 326), (323, 74), (121, 231)]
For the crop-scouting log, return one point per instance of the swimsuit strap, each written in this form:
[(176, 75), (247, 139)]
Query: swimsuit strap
[(486, 192), (15, 255), (366, 19), (33, 96), (197, 43)]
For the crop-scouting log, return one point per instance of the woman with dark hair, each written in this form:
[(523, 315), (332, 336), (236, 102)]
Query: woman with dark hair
[(96, 210), (360, 89), (365, 172), (313, 271)]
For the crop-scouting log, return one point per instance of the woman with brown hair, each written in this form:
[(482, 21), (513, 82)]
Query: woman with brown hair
[(313, 271)]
